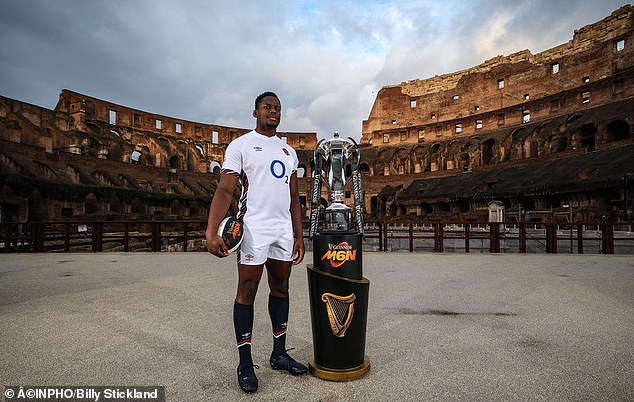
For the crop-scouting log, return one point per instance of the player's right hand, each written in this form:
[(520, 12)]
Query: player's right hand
[(217, 246)]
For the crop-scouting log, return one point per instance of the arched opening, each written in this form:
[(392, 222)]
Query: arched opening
[(115, 204), (533, 149), (137, 206), (364, 169), (176, 208), (466, 162), (379, 169), (37, 207), (90, 204), (587, 135), (301, 171), (215, 165), (558, 144), (135, 157), (175, 162), (487, 151), (145, 158), (195, 209), (115, 152), (617, 130)]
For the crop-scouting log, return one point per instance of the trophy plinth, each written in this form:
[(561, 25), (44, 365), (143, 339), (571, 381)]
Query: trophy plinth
[(337, 289)]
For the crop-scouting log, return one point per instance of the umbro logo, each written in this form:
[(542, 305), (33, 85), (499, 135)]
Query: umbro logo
[(258, 149)]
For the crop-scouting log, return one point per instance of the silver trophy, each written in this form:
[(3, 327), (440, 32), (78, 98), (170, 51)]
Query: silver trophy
[(337, 290), (336, 162)]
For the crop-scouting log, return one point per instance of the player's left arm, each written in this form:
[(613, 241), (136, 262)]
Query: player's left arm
[(296, 217)]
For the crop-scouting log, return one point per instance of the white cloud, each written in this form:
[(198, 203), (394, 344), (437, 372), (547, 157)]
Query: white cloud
[(207, 60)]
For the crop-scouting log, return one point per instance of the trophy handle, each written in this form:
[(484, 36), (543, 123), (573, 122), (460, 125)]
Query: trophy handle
[(315, 203), (356, 185)]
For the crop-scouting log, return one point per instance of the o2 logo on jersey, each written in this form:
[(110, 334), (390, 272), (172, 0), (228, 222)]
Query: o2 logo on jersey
[(278, 170)]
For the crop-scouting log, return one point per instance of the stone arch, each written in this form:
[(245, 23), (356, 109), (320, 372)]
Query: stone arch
[(558, 143), (364, 169), (195, 209), (586, 137), (532, 148), (137, 206), (374, 202), (465, 162), (176, 208), (175, 162), (301, 171), (617, 130), (115, 152), (400, 161), (516, 149), (487, 151), (145, 158), (417, 159), (36, 206), (435, 160), (382, 163), (115, 204), (214, 166), (91, 204)]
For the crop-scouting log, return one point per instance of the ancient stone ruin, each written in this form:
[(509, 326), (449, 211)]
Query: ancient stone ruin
[(526, 137)]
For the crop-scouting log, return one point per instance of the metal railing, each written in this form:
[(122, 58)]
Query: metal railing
[(189, 235), (506, 237)]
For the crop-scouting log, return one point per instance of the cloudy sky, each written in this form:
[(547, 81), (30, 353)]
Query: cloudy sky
[(206, 60)]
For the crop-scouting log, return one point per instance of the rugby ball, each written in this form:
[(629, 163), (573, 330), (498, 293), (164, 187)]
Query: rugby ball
[(231, 229)]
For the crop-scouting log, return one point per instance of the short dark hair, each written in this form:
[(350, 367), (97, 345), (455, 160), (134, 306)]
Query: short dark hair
[(264, 95)]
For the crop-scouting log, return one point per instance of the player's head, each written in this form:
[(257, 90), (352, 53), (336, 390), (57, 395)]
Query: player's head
[(263, 95), (268, 111)]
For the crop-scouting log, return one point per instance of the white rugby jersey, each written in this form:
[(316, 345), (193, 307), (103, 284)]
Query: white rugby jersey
[(264, 166)]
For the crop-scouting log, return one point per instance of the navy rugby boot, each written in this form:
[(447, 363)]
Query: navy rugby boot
[(246, 378), (285, 362)]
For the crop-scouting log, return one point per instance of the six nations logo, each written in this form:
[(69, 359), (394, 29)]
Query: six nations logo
[(340, 253)]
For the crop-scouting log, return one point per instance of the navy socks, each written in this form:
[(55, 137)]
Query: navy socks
[(278, 310), (243, 325)]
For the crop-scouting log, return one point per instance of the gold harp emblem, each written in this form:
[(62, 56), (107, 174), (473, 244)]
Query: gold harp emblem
[(340, 311)]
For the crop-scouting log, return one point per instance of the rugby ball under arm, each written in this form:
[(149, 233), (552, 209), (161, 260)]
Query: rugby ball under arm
[(231, 230)]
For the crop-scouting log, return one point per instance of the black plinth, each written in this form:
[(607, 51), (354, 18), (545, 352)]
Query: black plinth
[(339, 305)]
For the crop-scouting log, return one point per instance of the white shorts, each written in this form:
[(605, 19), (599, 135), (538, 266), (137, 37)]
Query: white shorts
[(259, 245)]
